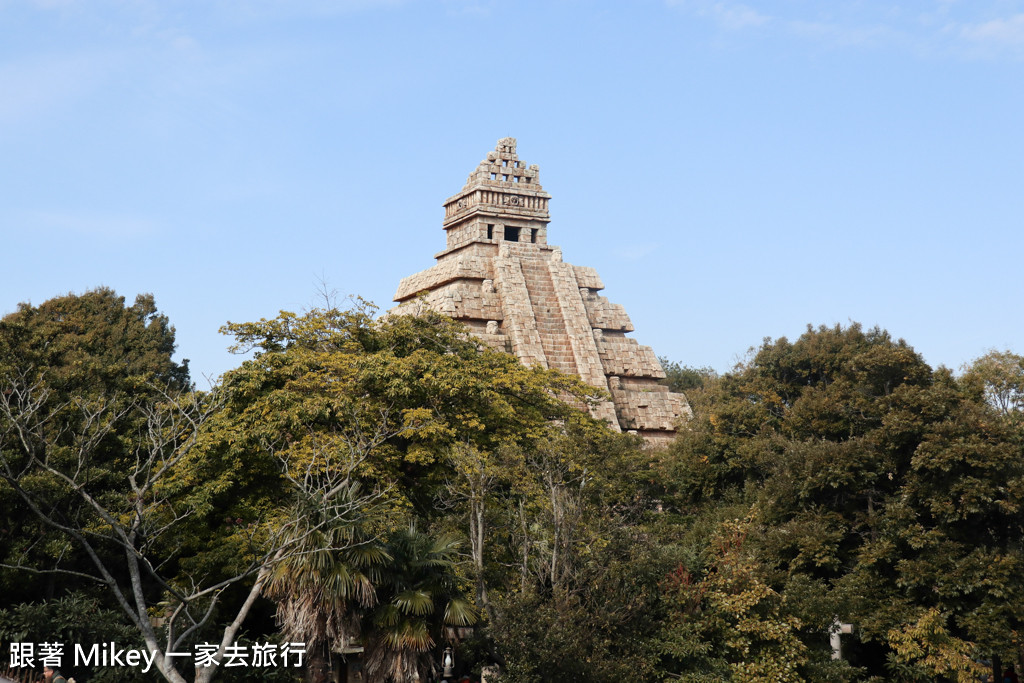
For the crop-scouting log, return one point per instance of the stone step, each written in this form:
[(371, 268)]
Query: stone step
[(547, 315)]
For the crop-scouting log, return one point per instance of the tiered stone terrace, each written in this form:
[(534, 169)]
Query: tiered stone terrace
[(498, 275)]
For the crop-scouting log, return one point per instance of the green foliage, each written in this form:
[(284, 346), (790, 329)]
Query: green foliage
[(601, 627), (79, 362), (925, 651), (75, 619), (883, 490), (999, 375), (419, 601), (728, 624), (394, 405), (92, 343), (405, 387), (683, 378), (872, 488), (582, 603), (98, 428), (322, 590)]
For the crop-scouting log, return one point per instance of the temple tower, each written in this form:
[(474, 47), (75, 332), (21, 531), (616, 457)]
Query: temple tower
[(499, 276)]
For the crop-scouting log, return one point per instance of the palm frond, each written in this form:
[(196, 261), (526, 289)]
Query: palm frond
[(460, 612), (415, 602)]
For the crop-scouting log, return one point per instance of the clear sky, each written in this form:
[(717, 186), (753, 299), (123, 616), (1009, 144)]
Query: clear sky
[(733, 171)]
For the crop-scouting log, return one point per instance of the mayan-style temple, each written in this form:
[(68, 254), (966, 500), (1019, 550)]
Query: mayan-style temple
[(499, 275)]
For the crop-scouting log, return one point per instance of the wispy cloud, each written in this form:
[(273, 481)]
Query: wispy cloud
[(993, 29), (843, 35), (255, 6), (468, 7), (729, 15), (85, 223), (53, 4), (738, 16), (1008, 31), (636, 252), (266, 9), (31, 87)]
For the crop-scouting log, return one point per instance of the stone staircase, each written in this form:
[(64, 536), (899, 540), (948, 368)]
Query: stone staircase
[(500, 276), (548, 314)]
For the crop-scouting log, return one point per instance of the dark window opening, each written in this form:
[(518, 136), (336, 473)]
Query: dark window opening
[(511, 234), (505, 178), (490, 231), (533, 235), (494, 176), (529, 179)]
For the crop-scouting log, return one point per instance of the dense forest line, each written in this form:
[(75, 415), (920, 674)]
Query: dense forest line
[(388, 483)]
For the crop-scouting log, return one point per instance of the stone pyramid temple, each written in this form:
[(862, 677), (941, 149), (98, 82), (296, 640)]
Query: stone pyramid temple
[(499, 276)]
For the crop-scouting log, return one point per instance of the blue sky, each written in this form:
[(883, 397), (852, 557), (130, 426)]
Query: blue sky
[(733, 171)]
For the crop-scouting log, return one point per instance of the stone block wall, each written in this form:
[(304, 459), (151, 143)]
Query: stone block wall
[(516, 294)]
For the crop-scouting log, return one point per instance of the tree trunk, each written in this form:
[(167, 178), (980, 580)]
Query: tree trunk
[(477, 526), (524, 566), (318, 664)]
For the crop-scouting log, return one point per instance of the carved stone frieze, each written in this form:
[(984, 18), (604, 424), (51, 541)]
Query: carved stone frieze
[(499, 275)]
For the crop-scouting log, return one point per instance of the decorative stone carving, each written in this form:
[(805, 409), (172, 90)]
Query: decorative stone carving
[(519, 296)]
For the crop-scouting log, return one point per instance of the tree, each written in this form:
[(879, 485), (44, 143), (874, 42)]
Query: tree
[(93, 343), (1000, 376), (420, 605), (434, 415), (726, 623), (118, 471), (74, 618), (577, 600), (683, 378), (72, 350), (924, 649), (470, 489), (600, 627), (884, 491), (414, 386), (131, 537), (323, 589)]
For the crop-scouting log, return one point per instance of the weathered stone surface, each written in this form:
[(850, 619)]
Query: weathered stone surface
[(499, 275), (588, 277), (464, 299), (603, 314), (461, 267)]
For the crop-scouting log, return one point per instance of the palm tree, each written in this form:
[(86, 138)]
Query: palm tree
[(419, 604), (322, 590)]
